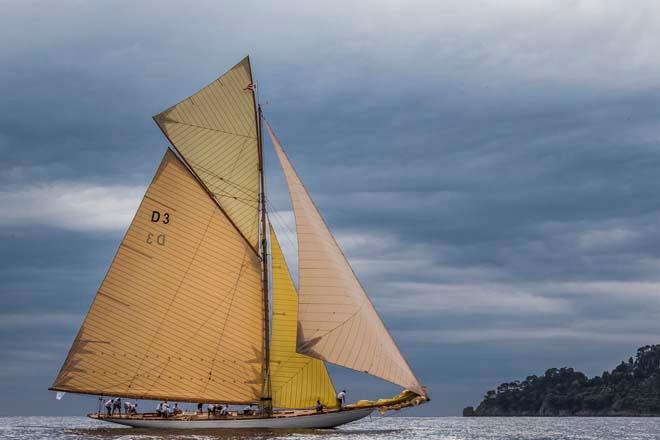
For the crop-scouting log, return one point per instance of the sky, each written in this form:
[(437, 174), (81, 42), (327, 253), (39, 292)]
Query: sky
[(490, 169)]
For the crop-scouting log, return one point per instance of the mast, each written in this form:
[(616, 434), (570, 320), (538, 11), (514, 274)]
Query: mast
[(266, 399)]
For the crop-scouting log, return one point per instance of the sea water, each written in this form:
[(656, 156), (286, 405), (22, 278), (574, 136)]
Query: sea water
[(395, 428)]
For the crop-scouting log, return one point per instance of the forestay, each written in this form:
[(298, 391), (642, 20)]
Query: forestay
[(337, 321), (179, 313), (298, 381)]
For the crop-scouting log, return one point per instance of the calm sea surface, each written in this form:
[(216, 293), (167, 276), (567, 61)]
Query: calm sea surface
[(449, 428)]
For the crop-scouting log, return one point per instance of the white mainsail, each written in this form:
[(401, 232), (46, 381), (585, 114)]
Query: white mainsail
[(337, 321)]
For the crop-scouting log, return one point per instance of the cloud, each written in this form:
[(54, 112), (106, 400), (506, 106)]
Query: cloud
[(470, 299), (37, 320), (540, 335), (489, 168), (72, 206)]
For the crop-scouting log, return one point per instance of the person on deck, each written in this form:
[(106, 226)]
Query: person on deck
[(108, 406), (176, 410), (319, 406), (341, 399), (248, 411), (127, 407), (165, 409), (159, 409), (210, 409), (224, 410), (200, 408), (116, 405)]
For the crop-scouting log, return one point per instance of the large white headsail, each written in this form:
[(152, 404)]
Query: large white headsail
[(337, 322)]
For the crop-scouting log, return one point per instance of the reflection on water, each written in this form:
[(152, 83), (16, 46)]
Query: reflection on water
[(376, 428)]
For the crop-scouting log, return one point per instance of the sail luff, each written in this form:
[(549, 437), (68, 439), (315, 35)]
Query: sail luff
[(337, 332)]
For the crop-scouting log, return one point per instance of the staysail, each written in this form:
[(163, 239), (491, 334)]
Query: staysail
[(179, 313), (337, 322), (215, 131), (298, 381)]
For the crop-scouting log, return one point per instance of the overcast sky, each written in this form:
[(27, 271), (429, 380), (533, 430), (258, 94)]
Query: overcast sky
[(490, 168)]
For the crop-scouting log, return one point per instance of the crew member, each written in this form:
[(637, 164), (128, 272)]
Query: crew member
[(108, 406), (341, 398)]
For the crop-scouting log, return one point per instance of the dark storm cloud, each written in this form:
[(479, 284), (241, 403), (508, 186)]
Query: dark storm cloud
[(490, 169)]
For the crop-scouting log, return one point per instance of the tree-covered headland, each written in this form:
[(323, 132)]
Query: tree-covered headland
[(630, 389)]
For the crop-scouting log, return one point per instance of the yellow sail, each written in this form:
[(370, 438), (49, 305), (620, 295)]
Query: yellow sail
[(337, 322), (215, 131), (298, 381), (179, 313)]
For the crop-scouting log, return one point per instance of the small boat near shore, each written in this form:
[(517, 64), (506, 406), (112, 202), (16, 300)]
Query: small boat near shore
[(199, 304)]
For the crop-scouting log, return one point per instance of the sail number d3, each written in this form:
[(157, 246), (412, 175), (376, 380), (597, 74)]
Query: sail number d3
[(158, 217)]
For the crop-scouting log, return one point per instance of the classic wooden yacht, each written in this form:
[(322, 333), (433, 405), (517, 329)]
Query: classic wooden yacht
[(198, 304)]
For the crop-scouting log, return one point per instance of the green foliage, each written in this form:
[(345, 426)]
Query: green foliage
[(632, 388)]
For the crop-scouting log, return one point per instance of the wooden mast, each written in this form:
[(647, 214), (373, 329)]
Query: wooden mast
[(266, 398)]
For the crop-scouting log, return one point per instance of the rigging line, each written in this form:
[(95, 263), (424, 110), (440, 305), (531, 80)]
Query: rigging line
[(290, 243), (209, 128), (247, 202), (242, 188), (211, 165), (225, 193), (238, 199), (240, 153), (288, 231), (275, 210), (244, 201)]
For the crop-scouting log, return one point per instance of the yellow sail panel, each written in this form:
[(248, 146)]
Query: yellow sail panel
[(215, 130), (298, 381), (179, 313), (337, 322)]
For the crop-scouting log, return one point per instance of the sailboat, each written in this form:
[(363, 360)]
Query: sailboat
[(198, 304)]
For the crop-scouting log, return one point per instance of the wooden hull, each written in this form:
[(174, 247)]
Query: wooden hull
[(304, 421)]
